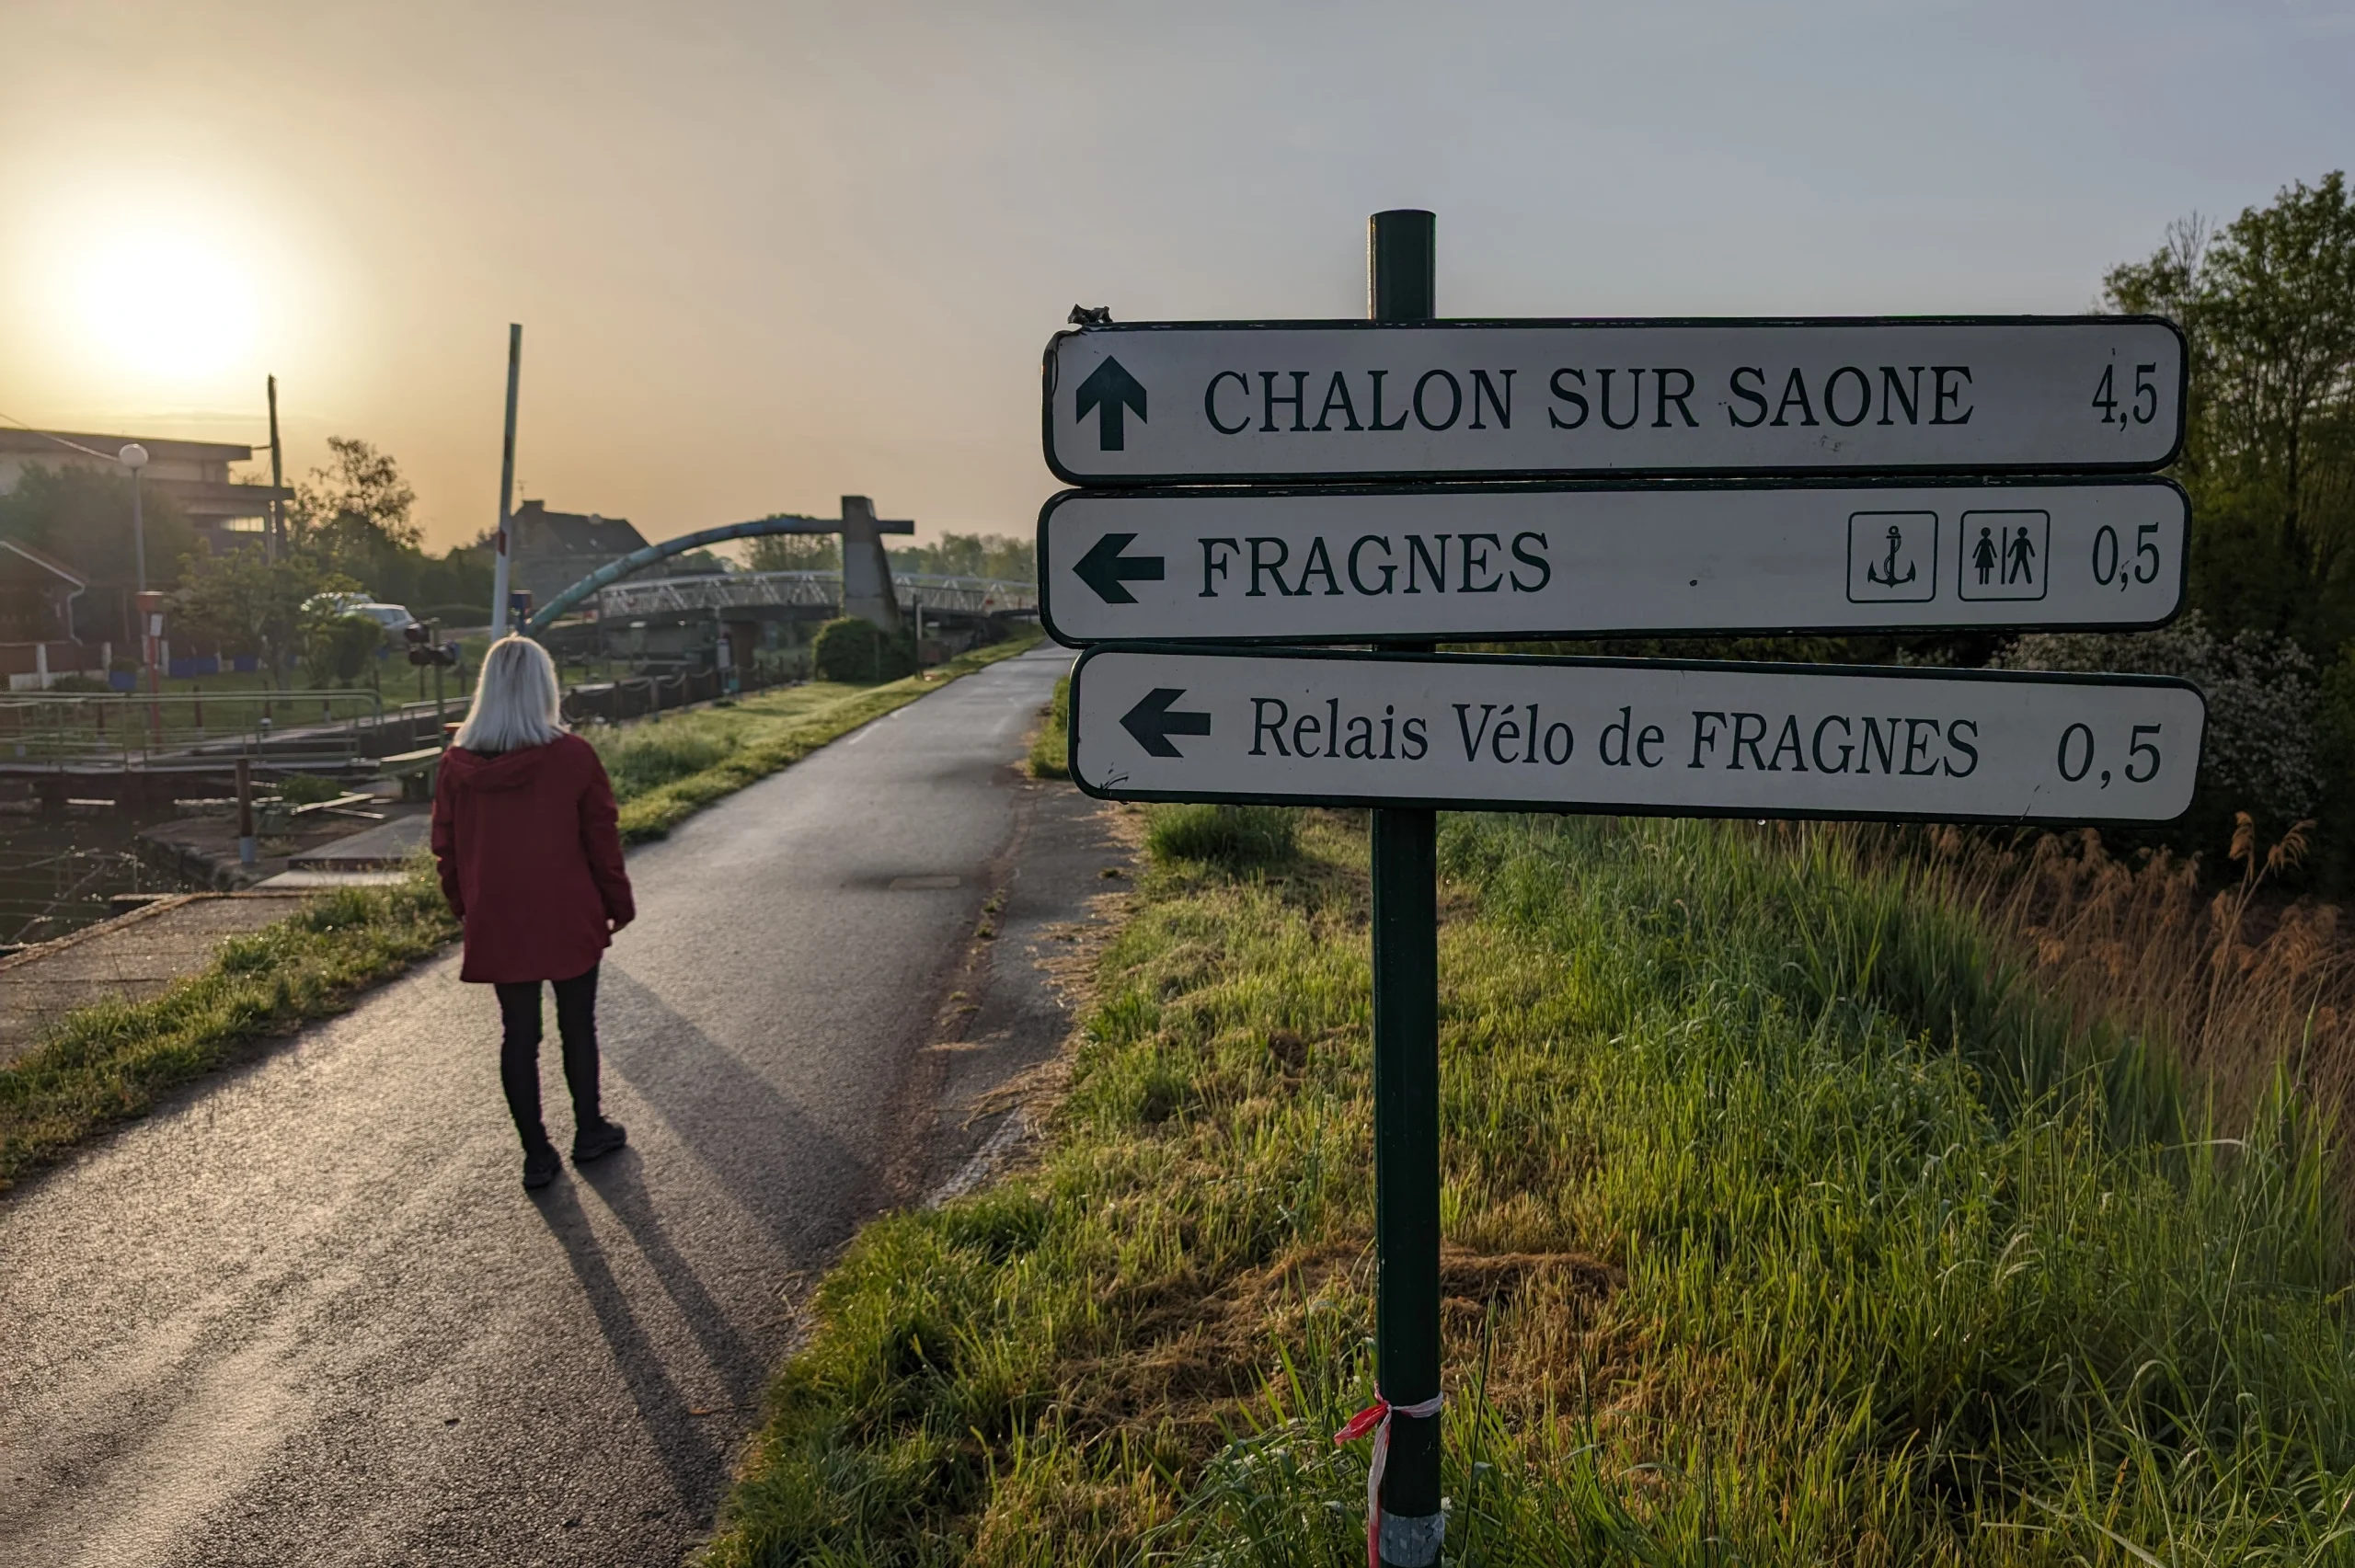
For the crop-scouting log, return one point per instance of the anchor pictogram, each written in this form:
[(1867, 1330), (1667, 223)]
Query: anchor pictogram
[(1886, 575)]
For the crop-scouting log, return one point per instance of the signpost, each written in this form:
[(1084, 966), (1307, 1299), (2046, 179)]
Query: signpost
[(1475, 732), (1500, 562), (1338, 400), (1856, 491)]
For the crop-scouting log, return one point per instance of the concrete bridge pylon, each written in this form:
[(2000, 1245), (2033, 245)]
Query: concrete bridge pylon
[(866, 569)]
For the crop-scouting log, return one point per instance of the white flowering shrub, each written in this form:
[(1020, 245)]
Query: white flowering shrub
[(2261, 754)]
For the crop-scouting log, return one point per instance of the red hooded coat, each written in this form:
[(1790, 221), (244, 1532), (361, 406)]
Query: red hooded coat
[(529, 859)]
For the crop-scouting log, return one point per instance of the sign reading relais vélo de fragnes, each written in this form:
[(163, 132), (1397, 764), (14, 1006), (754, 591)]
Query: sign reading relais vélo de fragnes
[(1467, 732), (1267, 402), (1495, 562)]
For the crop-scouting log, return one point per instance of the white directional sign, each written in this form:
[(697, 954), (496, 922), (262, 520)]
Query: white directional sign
[(1339, 400), (1493, 563), (1595, 735)]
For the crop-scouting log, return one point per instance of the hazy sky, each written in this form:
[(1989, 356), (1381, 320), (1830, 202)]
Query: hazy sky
[(768, 253)]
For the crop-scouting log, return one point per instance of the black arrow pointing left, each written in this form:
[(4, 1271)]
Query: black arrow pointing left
[(1153, 724), (1104, 568)]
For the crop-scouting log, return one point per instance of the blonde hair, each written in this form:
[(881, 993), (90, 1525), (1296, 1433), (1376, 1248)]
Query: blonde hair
[(517, 701)]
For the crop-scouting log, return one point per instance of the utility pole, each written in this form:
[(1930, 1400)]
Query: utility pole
[(506, 484), (273, 540), (1400, 286)]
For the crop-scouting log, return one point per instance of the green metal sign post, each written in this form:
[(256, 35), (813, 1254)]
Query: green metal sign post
[(1186, 423), (1400, 288)]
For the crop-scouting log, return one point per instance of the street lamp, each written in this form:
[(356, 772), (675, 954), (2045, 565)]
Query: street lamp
[(135, 457)]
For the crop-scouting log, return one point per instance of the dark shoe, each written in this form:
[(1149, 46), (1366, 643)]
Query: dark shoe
[(540, 1166), (593, 1142)]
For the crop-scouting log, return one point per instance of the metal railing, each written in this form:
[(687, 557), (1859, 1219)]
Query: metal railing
[(192, 730), (732, 590)]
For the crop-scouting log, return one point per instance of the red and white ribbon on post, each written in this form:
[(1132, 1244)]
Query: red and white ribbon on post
[(1376, 1418)]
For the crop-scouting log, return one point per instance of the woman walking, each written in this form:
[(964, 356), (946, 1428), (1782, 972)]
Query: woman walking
[(531, 861)]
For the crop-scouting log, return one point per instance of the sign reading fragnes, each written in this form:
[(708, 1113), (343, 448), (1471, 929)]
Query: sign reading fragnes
[(1496, 561), (1641, 736), (1272, 401)]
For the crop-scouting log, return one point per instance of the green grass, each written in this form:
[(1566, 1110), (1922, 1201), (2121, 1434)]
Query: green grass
[(306, 789), (1240, 838), (1787, 1224), (107, 1062), (664, 772), (104, 1063), (1050, 748)]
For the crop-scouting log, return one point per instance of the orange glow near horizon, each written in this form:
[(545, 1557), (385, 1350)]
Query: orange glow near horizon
[(769, 255)]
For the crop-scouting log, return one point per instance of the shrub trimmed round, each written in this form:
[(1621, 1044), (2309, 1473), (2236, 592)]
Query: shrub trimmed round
[(854, 650)]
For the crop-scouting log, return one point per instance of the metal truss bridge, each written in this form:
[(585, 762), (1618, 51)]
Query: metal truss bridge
[(747, 591)]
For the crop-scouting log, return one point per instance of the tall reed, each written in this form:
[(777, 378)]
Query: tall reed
[(2230, 984)]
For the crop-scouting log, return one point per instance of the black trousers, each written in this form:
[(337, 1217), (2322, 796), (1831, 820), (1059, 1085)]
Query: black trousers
[(519, 1051)]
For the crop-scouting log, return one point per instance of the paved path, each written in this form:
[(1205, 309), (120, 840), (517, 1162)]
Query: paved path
[(308, 1315), (134, 956)]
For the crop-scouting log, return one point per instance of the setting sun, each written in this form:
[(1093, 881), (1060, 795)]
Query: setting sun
[(161, 301)]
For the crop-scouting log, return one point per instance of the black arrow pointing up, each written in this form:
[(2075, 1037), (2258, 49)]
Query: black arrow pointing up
[(1110, 387), (1153, 724), (1104, 568)]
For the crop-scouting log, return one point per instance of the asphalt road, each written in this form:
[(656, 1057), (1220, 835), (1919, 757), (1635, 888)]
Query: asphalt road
[(306, 1314)]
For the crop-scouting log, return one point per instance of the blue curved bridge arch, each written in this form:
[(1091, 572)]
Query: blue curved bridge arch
[(867, 585)]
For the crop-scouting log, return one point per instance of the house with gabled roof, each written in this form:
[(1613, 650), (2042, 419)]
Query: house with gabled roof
[(38, 641)]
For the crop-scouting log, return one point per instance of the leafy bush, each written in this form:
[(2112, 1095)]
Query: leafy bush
[(1238, 837), (337, 649), (2263, 750), (855, 652), (307, 789)]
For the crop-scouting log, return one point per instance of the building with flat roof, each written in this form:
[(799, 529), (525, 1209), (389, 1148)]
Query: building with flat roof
[(194, 474)]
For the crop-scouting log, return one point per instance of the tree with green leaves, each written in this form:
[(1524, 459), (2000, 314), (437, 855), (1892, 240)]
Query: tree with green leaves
[(244, 603), (2266, 303), (82, 516), (356, 513), (1001, 555), (793, 553)]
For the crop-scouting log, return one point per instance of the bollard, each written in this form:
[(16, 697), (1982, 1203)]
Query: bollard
[(246, 849)]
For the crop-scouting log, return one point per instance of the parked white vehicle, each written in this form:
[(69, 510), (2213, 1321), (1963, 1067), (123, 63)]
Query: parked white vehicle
[(392, 617)]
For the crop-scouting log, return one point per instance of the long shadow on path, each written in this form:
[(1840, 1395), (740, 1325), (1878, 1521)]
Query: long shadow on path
[(768, 1155), (696, 1471), (618, 1181)]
